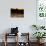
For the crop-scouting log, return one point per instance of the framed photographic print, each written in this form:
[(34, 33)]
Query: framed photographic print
[(17, 12)]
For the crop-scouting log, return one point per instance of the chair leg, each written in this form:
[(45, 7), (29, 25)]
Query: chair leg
[(17, 39), (5, 43), (5, 40)]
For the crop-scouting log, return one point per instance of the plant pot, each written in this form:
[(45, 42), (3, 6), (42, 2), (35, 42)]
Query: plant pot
[(40, 41)]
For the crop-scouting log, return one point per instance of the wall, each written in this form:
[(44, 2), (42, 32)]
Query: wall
[(24, 24)]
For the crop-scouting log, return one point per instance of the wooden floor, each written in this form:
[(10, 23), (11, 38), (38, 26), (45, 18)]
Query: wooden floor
[(13, 44)]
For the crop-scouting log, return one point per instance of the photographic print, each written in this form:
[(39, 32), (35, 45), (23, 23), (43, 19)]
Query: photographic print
[(17, 12)]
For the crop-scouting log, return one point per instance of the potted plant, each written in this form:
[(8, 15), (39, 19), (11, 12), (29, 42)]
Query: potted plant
[(42, 27), (38, 27), (39, 35), (35, 26)]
